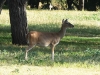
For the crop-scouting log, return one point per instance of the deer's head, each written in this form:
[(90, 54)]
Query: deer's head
[(66, 24)]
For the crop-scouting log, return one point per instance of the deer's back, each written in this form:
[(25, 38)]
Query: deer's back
[(43, 38)]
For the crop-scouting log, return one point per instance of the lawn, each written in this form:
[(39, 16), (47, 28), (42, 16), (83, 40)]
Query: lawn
[(77, 53)]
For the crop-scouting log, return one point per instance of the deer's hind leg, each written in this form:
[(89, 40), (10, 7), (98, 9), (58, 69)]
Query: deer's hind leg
[(28, 49)]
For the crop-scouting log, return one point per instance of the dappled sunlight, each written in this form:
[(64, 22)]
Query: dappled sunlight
[(4, 18), (80, 47)]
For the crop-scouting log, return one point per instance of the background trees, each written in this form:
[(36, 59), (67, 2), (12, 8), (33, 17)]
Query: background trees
[(91, 5)]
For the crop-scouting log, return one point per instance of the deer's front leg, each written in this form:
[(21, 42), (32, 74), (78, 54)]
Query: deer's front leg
[(26, 53), (52, 47)]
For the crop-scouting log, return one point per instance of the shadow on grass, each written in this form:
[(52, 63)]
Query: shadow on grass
[(76, 31), (4, 28), (65, 52)]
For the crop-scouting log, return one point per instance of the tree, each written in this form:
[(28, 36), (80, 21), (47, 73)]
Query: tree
[(69, 3), (18, 21), (34, 3), (1, 4), (81, 4), (92, 5)]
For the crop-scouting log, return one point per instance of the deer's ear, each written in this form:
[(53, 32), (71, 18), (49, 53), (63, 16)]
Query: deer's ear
[(62, 21), (66, 19)]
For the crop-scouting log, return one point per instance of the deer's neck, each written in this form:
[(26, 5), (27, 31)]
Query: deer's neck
[(62, 32)]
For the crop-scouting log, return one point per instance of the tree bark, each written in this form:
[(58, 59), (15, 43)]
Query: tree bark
[(76, 5), (1, 4), (69, 2), (81, 4), (34, 3), (92, 5), (18, 21)]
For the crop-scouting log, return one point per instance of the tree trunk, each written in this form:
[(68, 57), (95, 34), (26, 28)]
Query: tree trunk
[(18, 21), (69, 2), (92, 5), (1, 4), (81, 4), (85, 4), (34, 3), (76, 5)]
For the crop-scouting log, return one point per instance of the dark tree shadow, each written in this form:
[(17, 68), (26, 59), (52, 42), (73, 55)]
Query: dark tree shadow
[(65, 52)]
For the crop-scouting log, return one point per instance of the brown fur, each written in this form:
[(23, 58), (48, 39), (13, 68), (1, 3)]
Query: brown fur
[(46, 38)]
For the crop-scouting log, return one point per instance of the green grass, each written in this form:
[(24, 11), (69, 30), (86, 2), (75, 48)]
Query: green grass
[(80, 48)]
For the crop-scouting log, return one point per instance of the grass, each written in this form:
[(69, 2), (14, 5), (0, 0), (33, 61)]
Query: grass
[(29, 70), (78, 50)]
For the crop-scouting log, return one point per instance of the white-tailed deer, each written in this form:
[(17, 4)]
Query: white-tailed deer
[(46, 38)]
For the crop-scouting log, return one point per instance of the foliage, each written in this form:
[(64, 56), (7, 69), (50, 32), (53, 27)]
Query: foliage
[(91, 5), (60, 4)]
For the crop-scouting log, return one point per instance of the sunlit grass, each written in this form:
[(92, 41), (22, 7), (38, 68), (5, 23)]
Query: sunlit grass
[(35, 70), (80, 48)]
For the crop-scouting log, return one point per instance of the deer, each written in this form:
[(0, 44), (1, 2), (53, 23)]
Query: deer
[(36, 38)]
